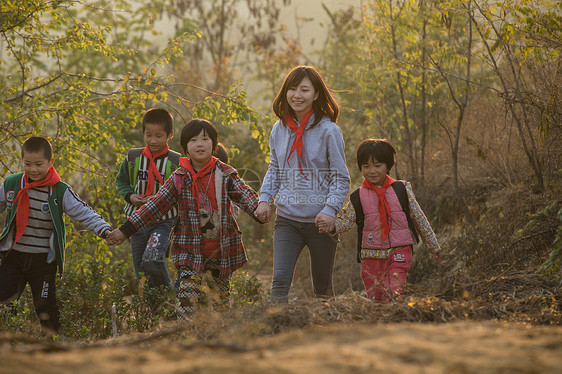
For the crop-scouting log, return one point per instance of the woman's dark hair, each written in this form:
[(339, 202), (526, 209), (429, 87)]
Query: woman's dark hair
[(324, 106), (37, 144), (158, 116), (194, 128), (377, 149)]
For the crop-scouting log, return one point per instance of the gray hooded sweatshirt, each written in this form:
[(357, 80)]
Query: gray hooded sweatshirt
[(323, 184)]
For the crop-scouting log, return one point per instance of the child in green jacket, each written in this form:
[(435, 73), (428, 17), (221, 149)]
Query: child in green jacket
[(32, 243), (142, 173)]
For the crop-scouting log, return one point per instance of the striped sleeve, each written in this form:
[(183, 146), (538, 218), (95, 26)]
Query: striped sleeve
[(421, 222)]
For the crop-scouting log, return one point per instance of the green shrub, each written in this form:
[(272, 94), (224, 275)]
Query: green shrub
[(245, 289), (19, 316)]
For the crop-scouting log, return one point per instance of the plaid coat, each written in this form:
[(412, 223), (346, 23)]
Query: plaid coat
[(186, 245)]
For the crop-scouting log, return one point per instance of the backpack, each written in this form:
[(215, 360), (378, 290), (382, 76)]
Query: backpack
[(400, 190), (134, 153)]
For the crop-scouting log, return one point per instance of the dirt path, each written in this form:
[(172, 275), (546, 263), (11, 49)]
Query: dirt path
[(462, 347)]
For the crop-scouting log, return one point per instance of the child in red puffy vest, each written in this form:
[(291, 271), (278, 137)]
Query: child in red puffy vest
[(387, 220)]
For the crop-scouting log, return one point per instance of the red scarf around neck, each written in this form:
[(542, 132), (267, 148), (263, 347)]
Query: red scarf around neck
[(22, 198), (383, 204), (184, 161), (152, 169), (298, 142)]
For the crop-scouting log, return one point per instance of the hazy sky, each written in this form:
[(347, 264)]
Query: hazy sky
[(307, 20)]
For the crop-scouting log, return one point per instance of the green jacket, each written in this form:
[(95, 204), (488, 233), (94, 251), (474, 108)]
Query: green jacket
[(127, 179), (62, 199)]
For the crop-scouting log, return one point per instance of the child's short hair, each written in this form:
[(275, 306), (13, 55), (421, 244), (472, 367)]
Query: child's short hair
[(158, 116), (380, 150), (221, 153), (37, 144), (194, 128)]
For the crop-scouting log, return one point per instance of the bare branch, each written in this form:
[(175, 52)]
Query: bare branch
[(26, 92)]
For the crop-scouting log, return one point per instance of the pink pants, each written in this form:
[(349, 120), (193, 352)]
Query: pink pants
[(385, 279)]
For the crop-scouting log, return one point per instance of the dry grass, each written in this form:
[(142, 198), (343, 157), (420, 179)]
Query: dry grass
[(519, 296)]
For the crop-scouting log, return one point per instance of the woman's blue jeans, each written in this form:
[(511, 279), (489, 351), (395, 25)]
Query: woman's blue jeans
[(289, 239)]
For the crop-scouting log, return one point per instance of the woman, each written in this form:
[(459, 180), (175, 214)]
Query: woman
[(307, 179)]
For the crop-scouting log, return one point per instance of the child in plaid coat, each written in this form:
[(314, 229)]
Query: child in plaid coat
[(206, 238)]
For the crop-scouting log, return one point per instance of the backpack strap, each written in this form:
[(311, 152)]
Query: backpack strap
[(174, 158), (132, 156), (173, 162), (178, 181), (399, 188), (359, 219)]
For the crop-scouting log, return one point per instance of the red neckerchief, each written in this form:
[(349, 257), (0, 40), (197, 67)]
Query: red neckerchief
[(383, 204), (152, 170), (298, 143), (22, 212), (184, 161)]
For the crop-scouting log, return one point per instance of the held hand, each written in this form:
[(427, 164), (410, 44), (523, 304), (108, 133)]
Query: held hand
[(115, 237), (325, 223), (137, 200), (322, 226), (263, 212), (109, 237)]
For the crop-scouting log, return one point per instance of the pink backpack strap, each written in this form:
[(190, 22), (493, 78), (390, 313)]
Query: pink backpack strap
[(178, 182)]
